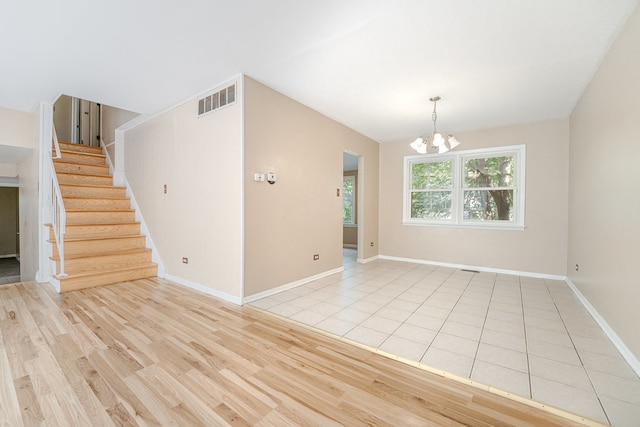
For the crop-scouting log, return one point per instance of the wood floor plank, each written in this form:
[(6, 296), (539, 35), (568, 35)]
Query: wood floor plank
[(152, 353)]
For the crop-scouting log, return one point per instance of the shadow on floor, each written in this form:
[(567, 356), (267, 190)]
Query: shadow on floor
[(9, 270)]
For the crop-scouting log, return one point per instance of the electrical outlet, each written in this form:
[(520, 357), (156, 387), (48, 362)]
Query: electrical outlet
[(164, 189), (316, 257), (185, 260), (577, 267), (371, 244)]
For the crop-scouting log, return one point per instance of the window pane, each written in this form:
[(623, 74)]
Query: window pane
[(488, 205), (432, 175), (489, 172), (431, 205), (347, 200)]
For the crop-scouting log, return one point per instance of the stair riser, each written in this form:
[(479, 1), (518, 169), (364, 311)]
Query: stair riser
[(97, 231), (86, 169), (92, 247), (104, 263), (106, 192), (97, 204), (73, 179), (75, 283), (80, 148), (83, 158), (90, 217)]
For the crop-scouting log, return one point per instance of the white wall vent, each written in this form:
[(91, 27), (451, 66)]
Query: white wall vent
[(224, 97)]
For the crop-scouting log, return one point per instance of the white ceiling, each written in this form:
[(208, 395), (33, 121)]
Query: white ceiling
[(369, 64)]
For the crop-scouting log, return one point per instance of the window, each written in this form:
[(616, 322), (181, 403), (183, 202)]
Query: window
[(348, 204), (477, 188)]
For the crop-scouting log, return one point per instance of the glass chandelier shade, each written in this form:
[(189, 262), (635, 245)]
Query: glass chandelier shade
[(438, 142)]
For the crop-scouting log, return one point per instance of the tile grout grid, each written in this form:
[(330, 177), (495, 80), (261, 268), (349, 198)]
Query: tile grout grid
[(525, 335)]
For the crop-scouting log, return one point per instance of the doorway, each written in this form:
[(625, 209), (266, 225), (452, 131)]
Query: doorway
[(350, 206), (77, 120), (9, 235)]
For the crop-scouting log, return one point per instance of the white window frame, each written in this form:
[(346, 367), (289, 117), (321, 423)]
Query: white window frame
[(351, 178), (457, 196)]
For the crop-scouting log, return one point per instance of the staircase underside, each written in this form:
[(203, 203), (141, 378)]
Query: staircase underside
[(102, 242)]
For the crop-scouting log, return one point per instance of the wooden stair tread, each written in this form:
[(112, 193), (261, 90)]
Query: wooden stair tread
[(94, 186), (94, 198), (62, 160), (83, 146), (98, 273), (102, 254), (99, 224), (88, 175), (86, 239), (91, 280), (112, 210), (82, 153)]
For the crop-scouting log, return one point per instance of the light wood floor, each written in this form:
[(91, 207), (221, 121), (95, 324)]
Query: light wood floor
[(153, 353)]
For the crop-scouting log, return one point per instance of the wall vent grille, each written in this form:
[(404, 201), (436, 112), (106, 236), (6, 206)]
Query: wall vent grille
[(217, 100)]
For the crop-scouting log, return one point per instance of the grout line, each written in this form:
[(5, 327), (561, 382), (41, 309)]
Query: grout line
[(595, 392)]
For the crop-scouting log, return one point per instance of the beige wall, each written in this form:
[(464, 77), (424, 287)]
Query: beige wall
[(286, 223), (8, 221), (540, 248), (62, 118), (200, 217), (28, 195), (21, 129), (16, 128), (113, 118), (604, 208)]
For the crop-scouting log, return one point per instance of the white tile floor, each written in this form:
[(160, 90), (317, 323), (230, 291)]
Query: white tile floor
[(524, 335)]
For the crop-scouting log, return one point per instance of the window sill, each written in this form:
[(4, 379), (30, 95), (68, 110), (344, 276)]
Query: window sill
[(511, 227)]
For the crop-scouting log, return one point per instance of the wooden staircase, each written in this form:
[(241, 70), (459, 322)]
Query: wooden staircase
[(102, 243)]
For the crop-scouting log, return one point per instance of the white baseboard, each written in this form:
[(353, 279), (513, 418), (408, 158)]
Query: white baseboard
[(477, 268), (350, 246), (155, 255), (204, 289), (366, 260), (291, 285), (631, 359)]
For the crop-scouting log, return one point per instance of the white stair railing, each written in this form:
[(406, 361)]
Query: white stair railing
[(56, 204)]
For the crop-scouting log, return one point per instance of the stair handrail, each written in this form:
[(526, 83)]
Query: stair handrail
[(56, 203)]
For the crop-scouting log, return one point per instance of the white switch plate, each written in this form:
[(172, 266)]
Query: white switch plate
[(258, 177)]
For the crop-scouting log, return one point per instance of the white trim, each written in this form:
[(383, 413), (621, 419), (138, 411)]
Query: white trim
[(204, 289), (631, 359), (366, 260), (155, 254), (10, 181), (478, 268), (9, 256), (291, 285), (490, 225), (240, 97)]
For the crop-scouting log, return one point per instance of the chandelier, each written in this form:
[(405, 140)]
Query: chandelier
[(434, 141)]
